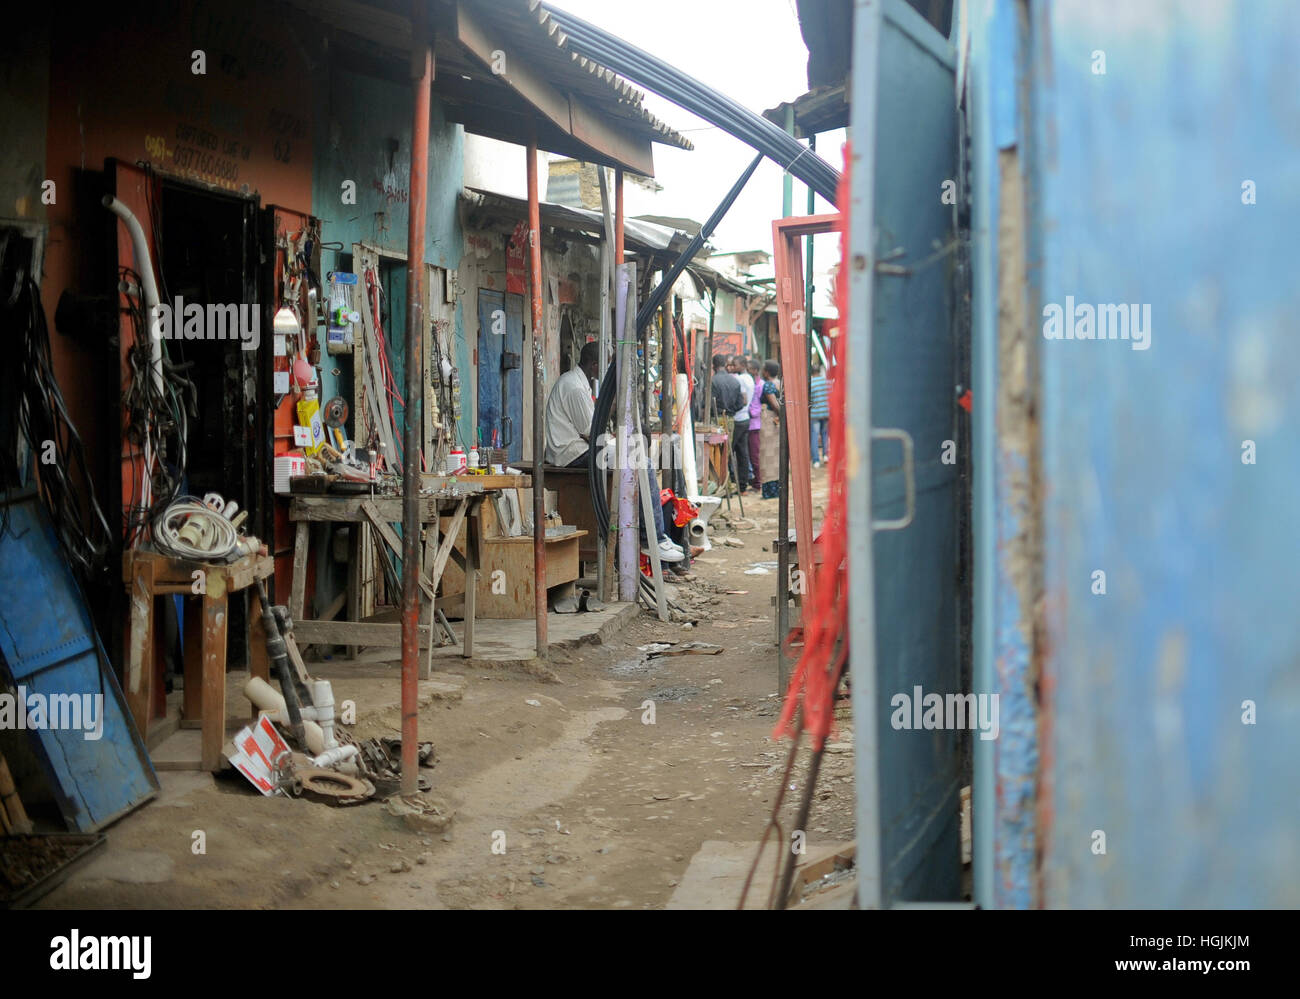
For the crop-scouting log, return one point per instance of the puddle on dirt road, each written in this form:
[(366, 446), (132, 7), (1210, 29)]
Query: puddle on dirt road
[(681, 693), (640, 666)]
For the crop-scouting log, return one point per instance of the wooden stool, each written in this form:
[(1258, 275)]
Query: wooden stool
[(148, 576)]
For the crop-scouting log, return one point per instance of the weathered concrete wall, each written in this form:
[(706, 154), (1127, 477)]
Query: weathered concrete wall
[(365, 137), (24, 108), (122, 86), (483, 265)]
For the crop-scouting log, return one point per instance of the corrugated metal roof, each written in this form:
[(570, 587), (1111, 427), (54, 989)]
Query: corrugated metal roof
[(575, 107), (535, 35), (604, 81), (638, 236)]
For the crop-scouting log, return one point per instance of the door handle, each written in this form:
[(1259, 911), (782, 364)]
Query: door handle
[(909, 479), (507, 438)]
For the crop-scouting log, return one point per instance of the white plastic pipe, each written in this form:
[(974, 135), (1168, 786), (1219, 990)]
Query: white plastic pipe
[(338, 754), (143, 264), (323, 696), (688, 442), (268, 700)]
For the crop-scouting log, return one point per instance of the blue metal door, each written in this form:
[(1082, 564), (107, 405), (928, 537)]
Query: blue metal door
[(903, 369), (1162, 180), (491, 343), (500, 374), (513, 375), (50, 651)]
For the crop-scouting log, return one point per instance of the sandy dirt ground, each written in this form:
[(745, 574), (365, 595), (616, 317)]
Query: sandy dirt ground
[(563, 796)]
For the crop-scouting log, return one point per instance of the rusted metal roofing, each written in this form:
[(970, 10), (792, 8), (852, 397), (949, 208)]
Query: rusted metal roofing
[(537, 85), (639, 236)]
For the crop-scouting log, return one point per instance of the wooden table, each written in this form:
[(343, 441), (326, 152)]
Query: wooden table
[(460, 497), (149, 575), (573, 502)]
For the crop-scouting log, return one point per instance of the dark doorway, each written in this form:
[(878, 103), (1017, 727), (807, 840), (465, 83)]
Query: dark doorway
[(206, 257)]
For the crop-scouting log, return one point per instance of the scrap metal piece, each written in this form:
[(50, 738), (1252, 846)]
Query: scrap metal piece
[(333, 788)]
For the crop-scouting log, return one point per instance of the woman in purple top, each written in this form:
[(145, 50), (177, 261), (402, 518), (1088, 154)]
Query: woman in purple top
[(756, 372)]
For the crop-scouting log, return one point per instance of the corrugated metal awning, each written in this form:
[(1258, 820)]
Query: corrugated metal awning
[(639, 236), (502, 69)]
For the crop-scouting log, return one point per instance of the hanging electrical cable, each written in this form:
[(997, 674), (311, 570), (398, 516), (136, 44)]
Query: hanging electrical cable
[(33, 407), (585, 40), (156, 418), (605, 399)]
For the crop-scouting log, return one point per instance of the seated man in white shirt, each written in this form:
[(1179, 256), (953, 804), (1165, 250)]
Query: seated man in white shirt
[(569, 412)]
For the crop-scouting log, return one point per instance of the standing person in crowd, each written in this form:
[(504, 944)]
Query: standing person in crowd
[(755, 420), (726, 389), (769, 443), (819, 416), (740, 432), (726, 394)]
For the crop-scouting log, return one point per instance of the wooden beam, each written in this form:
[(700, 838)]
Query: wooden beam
[(390, 537), (453, 531), (367, 633), (790, 299)]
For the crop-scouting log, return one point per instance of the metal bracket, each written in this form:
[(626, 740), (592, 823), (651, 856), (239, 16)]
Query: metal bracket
[(909, 478)]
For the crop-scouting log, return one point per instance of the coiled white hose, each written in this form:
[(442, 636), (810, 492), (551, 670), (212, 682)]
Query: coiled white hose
[(167, 530)]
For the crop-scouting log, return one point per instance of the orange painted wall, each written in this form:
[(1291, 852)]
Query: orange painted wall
[(122, 86)]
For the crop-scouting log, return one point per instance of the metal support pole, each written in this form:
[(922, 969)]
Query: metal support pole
[(412, 414), (669, 277), (783, 557), (604, 548), (708, 385), (787, 182), (808, 293), (667, 403), (628, 563), (539, 403), (618, 217)]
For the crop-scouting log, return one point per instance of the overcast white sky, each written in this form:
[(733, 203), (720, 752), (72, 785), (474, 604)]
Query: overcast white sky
[(750, 50)]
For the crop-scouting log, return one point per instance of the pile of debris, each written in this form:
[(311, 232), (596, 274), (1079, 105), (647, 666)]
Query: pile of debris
[(325, 763)]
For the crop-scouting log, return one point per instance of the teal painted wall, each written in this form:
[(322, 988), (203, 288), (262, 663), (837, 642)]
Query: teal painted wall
[(363, 135)]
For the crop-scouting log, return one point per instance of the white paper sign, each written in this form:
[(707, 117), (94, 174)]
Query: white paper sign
[(282, 383), (257, 750), (301, 436)]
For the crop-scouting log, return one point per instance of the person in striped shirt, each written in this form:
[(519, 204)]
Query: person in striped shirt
[(819, 416)]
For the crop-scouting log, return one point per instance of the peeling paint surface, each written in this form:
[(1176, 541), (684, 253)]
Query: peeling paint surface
[(48, 645), (1136, 182)]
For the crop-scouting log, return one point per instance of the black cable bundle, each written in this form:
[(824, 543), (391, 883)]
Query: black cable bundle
[(156, 422), (34, 407), (670, 83)]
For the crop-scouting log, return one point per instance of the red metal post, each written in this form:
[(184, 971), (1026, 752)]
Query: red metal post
[(412, 415), (539, 403)]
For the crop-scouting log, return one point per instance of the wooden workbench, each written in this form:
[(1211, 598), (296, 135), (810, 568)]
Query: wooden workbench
[(459, 498), (148, 576)]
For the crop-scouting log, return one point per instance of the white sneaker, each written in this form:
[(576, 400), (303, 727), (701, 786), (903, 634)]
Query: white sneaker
[(668, 552)]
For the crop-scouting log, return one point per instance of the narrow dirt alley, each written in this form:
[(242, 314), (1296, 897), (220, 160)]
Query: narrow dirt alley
[(593, 786)]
